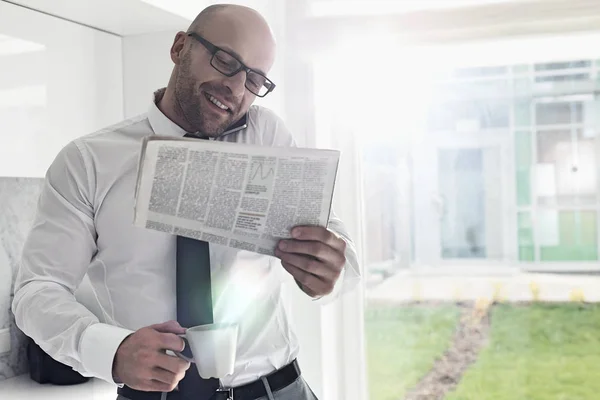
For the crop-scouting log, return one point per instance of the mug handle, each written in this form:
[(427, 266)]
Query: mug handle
[(180, 354)]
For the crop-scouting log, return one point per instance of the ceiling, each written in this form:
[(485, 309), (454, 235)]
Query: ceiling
[(131, 17), (427, 20), (485, 21), (184, 8), (190, 8), (322, 8), (120, 17)]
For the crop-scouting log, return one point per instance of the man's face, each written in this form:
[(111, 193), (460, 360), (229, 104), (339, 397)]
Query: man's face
[(209, 100)]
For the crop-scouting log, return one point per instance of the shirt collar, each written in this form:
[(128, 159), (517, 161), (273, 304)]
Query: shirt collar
[(162, 125)]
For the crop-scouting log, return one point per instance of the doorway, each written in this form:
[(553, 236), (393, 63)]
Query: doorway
[(461, 203)]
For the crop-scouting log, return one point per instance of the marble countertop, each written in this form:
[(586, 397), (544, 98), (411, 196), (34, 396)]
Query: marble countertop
[(23, 388)]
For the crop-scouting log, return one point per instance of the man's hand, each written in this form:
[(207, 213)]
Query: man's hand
[(142, 364), (314, 257)]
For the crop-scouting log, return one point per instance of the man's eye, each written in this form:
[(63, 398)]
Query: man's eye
[(226, 61), (256, 80)]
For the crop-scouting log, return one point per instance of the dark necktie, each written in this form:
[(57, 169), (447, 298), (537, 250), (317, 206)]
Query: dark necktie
[(194, 307)]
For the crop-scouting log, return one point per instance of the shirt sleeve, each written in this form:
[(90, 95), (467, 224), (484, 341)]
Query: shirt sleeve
[(55, 258)]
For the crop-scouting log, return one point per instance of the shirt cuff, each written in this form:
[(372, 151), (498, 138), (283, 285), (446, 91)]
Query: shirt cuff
[(99, 344)]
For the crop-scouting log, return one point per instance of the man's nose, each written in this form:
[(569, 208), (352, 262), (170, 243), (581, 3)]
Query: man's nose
[(237, 83)]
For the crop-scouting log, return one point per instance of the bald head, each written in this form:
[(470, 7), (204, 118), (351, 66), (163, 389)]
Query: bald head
[(206, 15), (203, 97), (244, 17)]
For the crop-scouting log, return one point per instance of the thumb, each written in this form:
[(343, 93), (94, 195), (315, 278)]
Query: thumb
[(169, 327)]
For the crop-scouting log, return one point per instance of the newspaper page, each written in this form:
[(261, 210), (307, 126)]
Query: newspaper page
[(242, 196)]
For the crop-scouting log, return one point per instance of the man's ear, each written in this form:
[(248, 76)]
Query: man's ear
[(177, 47)]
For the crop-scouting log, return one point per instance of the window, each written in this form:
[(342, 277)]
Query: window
[(469, 114), (469, 186)]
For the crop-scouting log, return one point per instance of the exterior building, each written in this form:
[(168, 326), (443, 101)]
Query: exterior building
[(505, 173)]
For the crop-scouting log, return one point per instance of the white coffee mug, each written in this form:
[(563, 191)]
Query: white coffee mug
[(213, 347)]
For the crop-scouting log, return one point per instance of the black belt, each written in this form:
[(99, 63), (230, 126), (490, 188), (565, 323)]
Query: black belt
[(277, 380)]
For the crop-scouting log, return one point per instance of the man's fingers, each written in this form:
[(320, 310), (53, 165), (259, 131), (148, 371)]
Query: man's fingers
[(169, 327), (319, 250), (172, 364), (164, 376), (157, 386), (308, 264), (170, 341), (314, 264), (141, 362), (151, 385), (319, 234), (310, 283), (165, 373)]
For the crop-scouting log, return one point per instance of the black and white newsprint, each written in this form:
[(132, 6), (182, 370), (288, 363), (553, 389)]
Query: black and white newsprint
[(243, 196)]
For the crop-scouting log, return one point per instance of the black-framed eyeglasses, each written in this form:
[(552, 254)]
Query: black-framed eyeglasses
[(229, 65)]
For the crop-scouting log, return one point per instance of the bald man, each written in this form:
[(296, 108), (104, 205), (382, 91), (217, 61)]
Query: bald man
[(83, 226)]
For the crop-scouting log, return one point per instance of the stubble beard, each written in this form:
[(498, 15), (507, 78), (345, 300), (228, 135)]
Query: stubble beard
[(190, 106)]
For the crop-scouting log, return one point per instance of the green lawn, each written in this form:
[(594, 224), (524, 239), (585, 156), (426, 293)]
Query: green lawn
[(538, 352), (535, 352), (402, 344)]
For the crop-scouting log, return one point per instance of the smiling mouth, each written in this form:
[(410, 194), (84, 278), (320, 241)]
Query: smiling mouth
[(216, 102)]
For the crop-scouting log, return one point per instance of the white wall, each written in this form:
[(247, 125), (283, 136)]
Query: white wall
[(147, 66), (58, 80)]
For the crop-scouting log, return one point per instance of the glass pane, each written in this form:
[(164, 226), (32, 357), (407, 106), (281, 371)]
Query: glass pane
[(382, 217), (559, 113), (529, 325), (591, 117), (536, 326), (479, 89), (523, 167), (562, 78), (471, 226), (462, 188), (475, 115), (560, 72), (521, 69), (525, 237), (477, 72), (566, 170), (567, 235), (562, 65), (523, 86), (522, 111)]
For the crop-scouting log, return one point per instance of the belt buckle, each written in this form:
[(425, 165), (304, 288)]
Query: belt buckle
[(227, 391)]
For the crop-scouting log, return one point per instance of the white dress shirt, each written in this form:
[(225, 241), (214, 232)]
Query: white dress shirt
[(84, 226)]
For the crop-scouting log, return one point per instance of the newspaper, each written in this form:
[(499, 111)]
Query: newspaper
[(242, 196)]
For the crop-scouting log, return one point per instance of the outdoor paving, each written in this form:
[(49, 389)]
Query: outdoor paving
[(513, 286)]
